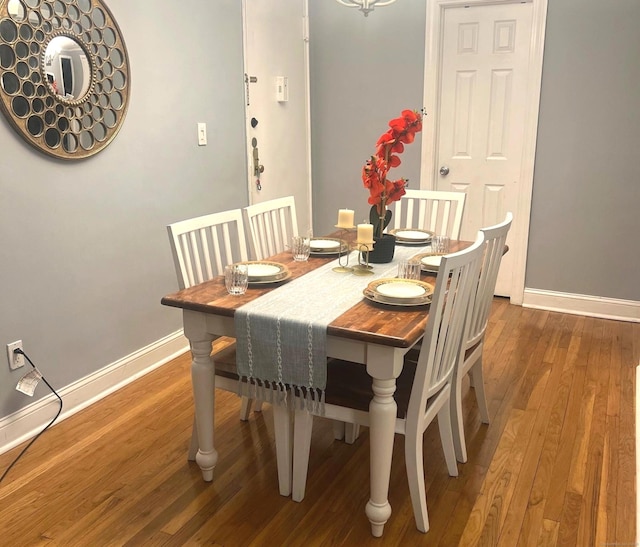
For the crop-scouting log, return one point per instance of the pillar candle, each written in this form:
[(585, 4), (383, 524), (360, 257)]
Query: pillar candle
[(365, 233), (345, 218)]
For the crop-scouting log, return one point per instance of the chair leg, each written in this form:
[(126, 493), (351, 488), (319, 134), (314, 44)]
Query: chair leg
[(415, 475), (481, 397), (457, 424), (282, 426), (303, 425), (257, 407), (446, 437), (245, 408), (347, 431), (352, 431), (193, 446)]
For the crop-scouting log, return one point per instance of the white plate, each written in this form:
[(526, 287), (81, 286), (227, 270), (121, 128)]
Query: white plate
[(325, 244), (401, 289), (432, 261), (414, 235), (263, 270), (411, 236)]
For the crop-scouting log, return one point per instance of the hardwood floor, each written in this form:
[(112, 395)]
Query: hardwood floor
[(556, 466)]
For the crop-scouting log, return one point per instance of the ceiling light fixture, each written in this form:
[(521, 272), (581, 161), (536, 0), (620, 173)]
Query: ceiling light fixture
[(365, 6)]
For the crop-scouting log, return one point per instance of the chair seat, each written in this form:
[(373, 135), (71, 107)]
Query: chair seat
[(225, 361), (349, 385)]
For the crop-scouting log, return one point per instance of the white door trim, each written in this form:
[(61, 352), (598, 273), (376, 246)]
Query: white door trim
[(245, 67), (307, 84), (433, 54)]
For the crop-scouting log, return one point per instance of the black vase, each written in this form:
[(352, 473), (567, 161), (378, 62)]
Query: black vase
[(383, 249)]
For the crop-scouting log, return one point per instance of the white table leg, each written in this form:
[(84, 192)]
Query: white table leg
[(382, 416), (203, 380)]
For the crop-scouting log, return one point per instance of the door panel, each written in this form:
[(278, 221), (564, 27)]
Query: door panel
[(276, 47), (484, 73)]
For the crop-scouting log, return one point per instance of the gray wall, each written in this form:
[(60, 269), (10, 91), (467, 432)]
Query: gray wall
[(364, 72), (586, 193), (84, 255), (587, 173)]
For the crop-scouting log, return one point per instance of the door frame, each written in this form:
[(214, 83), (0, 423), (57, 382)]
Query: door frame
[(433, 60)]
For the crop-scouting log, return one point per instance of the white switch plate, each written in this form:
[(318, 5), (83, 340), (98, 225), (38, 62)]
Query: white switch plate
[(202, 134), (282, 89)]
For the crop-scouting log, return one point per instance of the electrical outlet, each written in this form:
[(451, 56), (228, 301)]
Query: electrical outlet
[(16, 360)]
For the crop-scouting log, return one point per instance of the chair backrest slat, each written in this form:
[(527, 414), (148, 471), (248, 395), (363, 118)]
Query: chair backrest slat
[(457, 278), (495, 238), (434, 210), (270, 226), (203, 246)]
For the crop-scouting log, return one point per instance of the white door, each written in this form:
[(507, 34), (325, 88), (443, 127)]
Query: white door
[(277, 98), (483, 113)]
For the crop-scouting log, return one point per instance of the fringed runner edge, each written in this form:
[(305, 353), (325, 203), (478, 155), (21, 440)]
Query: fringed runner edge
[(276, 393)]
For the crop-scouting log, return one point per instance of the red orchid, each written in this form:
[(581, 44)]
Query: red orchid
[(374, 173)]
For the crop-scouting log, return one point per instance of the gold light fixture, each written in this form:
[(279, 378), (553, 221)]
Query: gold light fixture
[(365, 6)]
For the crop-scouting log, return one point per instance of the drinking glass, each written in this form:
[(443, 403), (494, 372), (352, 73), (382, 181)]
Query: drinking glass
[(409, 269), (301, 248), (440, 244), (236, 278)]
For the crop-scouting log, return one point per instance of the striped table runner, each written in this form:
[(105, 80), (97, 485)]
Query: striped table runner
[(281, 336)]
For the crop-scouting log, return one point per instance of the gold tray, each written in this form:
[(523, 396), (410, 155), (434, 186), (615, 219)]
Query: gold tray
[(271, 271), (270, 281), (426, 265), (329, 250), (399, 292), (390, 302), (411, 236)]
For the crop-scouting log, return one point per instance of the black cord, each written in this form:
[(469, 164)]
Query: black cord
[(18, 350)]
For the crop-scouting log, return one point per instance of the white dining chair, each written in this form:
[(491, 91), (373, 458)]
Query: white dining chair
[(470, 355), (201, 248), (437, 211), (270, 226), (422, 390)]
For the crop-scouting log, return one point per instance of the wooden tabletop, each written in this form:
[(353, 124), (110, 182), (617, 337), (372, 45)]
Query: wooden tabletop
[(366, 321)]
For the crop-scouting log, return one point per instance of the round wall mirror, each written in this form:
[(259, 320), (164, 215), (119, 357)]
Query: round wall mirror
[(64, 74)]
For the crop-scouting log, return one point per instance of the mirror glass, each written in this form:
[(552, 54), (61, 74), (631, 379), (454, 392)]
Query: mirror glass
[(67, 67), (64, 74), (16, 10)]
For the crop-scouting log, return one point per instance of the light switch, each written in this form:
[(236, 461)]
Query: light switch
[(282, 89), (202, 134)]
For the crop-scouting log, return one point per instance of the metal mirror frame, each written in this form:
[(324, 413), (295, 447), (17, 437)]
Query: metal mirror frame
[(62, 127)]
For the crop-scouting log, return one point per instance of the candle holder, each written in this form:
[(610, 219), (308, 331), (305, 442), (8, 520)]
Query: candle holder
[(343, 268), (363, 267)]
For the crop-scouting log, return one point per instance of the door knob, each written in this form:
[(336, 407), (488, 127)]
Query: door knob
[(444, 170)]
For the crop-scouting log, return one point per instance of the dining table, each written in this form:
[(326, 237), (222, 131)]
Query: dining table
[(376, 335)]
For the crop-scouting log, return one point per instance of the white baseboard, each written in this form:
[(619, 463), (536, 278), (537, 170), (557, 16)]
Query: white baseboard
[(28, 421), (580, 304)]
